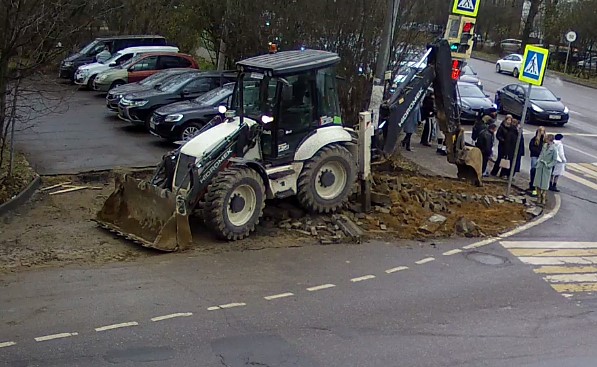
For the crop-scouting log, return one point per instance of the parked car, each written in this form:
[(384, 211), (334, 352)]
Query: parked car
[(87, 54), (545, 107), (182, 120), (86, 74), (472, 102), (510, 64), (511, 45), (140, 67), (468, 75), (138, 107), (589, 64), (115, 94)]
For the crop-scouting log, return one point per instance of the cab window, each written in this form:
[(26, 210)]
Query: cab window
[(329, 105)]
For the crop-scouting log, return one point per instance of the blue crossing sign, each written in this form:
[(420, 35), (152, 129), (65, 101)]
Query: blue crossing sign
[(534, 65), (466, 7)]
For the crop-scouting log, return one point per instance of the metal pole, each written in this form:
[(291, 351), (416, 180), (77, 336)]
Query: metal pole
[(383, 59), (567, 56), (520, 132)]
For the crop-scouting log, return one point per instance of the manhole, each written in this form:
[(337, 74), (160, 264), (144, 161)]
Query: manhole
[(486, 259)]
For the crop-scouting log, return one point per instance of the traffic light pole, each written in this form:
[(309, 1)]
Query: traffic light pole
[(518, 140)]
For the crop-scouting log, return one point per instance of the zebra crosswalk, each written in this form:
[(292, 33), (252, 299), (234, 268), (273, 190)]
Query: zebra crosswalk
[(568, 267), (583, 173)]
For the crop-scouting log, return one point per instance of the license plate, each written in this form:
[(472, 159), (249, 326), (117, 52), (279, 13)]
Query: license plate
[(555, 117)]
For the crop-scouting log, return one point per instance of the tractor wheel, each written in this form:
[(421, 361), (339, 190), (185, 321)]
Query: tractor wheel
[(327, 179), (234, 203)]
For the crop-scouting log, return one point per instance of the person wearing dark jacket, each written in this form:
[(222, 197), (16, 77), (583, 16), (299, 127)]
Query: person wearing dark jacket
[(485, 144), (501, 137), (535, 147), (482, 123), (510, 148), (427, 111)]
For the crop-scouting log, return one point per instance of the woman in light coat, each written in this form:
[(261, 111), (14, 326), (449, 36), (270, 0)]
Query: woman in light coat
[(547, 160), (560, 166)]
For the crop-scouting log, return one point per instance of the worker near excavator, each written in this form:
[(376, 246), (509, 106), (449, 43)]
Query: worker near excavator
[(485, 143)]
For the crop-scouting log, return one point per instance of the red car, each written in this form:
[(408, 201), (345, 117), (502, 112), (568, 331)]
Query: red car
[(141, 67)]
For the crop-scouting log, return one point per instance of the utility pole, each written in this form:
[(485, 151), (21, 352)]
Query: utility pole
[(383, 59)]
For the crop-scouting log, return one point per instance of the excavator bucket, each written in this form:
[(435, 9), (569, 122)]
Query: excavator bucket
[(470, 165), (145, 214)]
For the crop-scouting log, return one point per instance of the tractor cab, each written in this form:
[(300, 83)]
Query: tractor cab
[(290, 94)]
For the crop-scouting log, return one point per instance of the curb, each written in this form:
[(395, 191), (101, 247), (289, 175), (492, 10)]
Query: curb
[(21, 197)]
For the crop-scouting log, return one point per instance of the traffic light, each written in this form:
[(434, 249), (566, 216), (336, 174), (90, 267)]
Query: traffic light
[(456, 69), (466, 37), (461, 36)]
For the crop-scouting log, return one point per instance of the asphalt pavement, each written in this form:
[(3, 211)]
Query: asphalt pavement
[(524, 299)]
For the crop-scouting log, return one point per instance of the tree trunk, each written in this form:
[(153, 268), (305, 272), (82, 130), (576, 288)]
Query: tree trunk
[(528, 23)]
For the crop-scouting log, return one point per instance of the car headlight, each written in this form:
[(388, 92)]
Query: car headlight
[(494, 106), (139, 103), (174, 117), (566, 110), (101, 78), (466, 107), (68, 64), (536, 108)]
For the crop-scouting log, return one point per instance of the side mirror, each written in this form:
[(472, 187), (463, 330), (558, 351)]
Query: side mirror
[(487, 96), (185, 93)]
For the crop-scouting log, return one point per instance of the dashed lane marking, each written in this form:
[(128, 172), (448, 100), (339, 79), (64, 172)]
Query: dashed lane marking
[(565, 269), (586, 169), (481, 243), (396, 269), (575, 287), (547, 245), (277, 296), (54, 336), (452, 252), (581, 180), (320, 287), (587, 260), (226, 306), (364, 277), (425, 260), (581, 151), (545, 252), (7, 344), (172, 316), (117, 326), (571, 278)]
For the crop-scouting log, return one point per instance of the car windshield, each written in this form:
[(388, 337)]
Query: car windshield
[(176, 82), (258, 96), (470, 91), (89, 47), (111, 59), (542, 94), (214, 96)]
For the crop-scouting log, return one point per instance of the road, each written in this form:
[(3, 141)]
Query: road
[(526, 299)]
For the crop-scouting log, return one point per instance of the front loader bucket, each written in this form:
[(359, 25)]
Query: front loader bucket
[(145, 214), (470, 165)]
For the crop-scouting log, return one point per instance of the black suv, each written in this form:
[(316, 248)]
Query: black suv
[(87, 54), (183, 120), (138, 107)]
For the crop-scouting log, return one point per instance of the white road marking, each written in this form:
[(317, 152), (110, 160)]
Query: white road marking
[(581, 151), (548, 244), (481, 243), (585, 260), (213, 308), (425, 260), (281, 295), (171, 316), (227, 305), (565, 269), (320, 287), (571, 278), (575, 113), (567, 295), (452, 252), (580, 168), (364, 277), (7, 344), (536, 222), (580, 180), (54, 336), (397, 269), (117, 326)]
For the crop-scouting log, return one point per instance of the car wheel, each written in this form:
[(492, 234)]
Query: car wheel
[(189, 130), (498, 68), (515, 72), (117, 83), (498, 102), (90, 82)]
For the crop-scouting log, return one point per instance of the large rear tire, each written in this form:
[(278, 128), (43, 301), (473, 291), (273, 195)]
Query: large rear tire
[(234, 203), (327, 179)]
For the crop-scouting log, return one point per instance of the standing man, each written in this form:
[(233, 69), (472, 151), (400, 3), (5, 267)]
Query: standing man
[(485, 142), (427, 112)]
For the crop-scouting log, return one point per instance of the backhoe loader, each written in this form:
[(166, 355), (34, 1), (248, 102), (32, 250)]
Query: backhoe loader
[(284, 136)]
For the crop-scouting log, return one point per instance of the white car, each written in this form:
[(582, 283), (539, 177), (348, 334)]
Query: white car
[(86, 74), (509, 64)]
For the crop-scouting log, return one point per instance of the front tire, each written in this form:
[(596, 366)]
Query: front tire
[(117, 83), (234, 203), (498, 68), (327, 179), (90, 82), (189, 130), (515, 72)]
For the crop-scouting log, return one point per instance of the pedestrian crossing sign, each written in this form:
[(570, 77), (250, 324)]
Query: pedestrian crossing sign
[(466, 7), (534, 64)]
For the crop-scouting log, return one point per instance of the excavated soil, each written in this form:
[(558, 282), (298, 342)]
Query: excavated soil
[(56, 230)]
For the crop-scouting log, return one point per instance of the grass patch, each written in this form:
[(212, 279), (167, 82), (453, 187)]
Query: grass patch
[(22, 176)]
